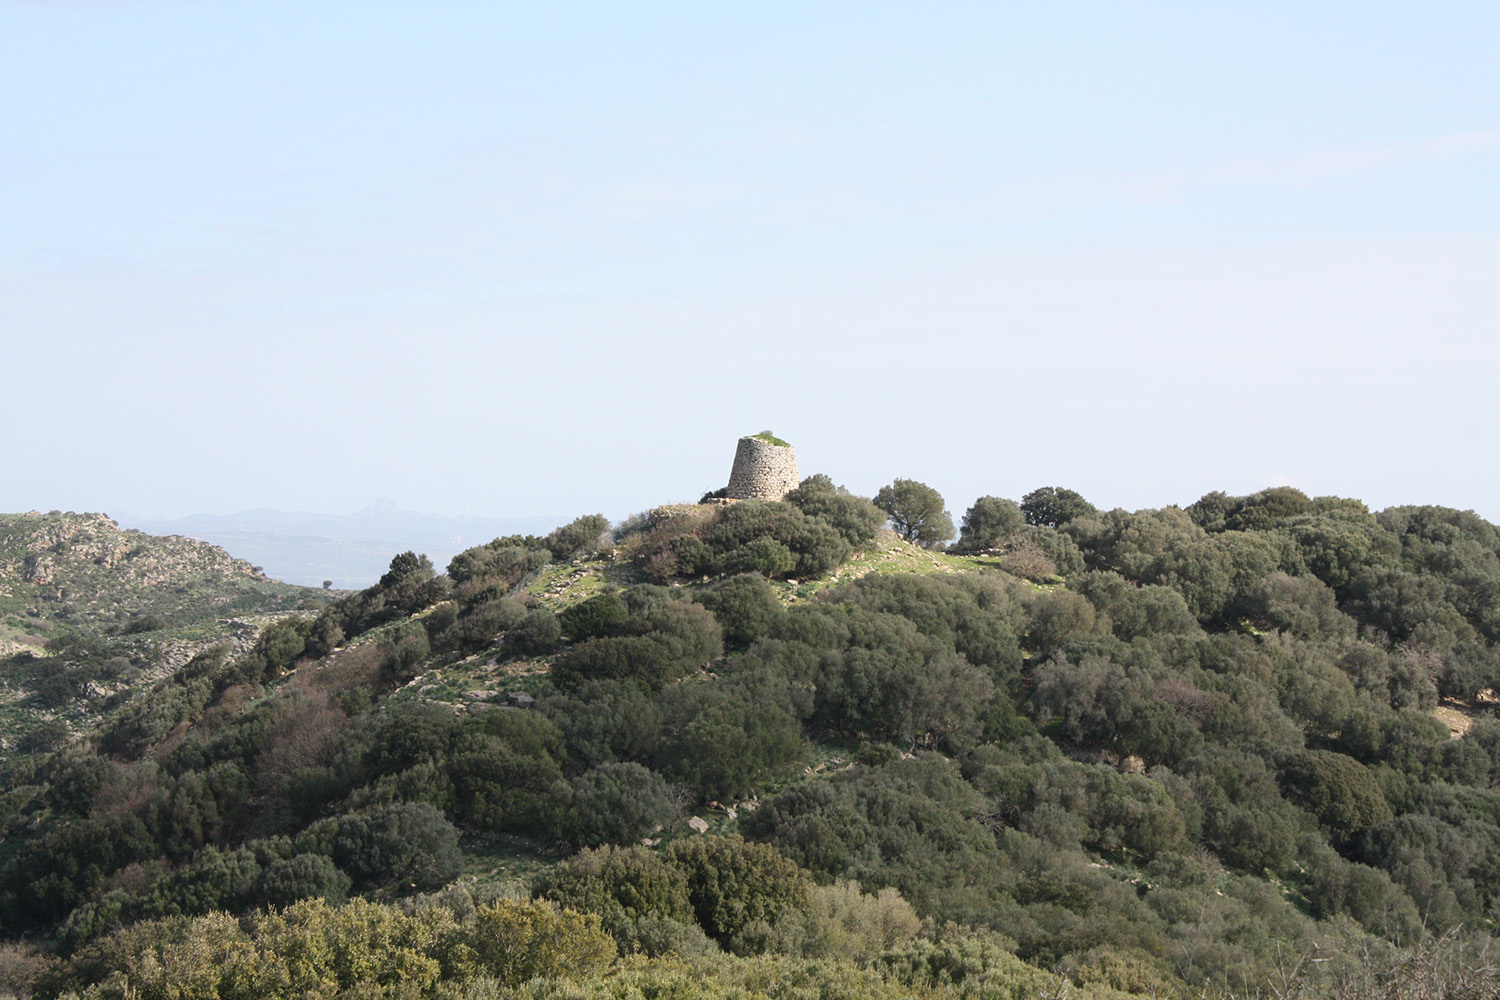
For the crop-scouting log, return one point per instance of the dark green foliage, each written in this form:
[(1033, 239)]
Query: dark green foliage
[(1060, 549), (602, 614), (1134, 611), (1338, 790), (913, 824), (1054, 506), (570, 539), (886, 680), (989, 523), (144, 622), (745, 606), (916, 512), (1302, 605), (537, 633), (605, 720), (167, 704), (618, 804), (979, 617), (504, 560), (815, 546), (1099, 704), (1264, 510), (730, 748), (856, 518), (1209, 700), (408, 586), (277, 648), (1337, 546), (480, 625), (752, 536), (762, 554), (303, 876), (504, 789), (1216, 574), (659, 644), (411, 842), (622, 885), (50, 875), (733, 884)]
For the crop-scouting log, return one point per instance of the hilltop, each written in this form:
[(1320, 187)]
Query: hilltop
[(1181, 752)]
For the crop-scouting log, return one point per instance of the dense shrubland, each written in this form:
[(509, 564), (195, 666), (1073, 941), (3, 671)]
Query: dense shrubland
[(1172, 752)]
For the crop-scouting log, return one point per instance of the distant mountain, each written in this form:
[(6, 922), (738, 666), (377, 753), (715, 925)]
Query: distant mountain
[(352, 550)]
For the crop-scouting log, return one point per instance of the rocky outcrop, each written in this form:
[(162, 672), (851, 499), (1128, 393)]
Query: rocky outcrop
[(84, 567)]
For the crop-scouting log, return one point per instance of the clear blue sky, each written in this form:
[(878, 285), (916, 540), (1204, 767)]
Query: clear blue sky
[(554, 258)]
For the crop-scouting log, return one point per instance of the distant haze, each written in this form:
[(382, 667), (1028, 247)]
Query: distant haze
[(351, 550)]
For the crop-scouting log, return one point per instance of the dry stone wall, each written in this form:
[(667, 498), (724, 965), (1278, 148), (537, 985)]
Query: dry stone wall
[(762, 470)]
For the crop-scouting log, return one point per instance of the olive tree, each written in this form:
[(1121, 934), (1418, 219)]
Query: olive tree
[(916, 512)]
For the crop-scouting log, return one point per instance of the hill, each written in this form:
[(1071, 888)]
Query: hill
[(735, 749), (85, 606)]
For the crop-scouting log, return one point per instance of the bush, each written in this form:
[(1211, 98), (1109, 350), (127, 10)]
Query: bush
[(516, 942), (618, 804), (733, 883), (570, 539), (539, 632), (856, 518), (1054, 506), (602, 614), (916, 512), (406, 841), (746, 608), (303, 876), (623, 885)]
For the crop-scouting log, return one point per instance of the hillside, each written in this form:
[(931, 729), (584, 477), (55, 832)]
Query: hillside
[(85, 607), (1247, 747)]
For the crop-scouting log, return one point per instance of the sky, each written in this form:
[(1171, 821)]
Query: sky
[(512, 259)]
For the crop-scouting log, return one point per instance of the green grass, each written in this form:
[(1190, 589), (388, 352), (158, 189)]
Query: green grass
[(768, 436)]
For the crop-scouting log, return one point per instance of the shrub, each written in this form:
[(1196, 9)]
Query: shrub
[(745, 606), (567, 541), (516, 942), (733, 883), (537, 633), (618, 804), (602, 614)]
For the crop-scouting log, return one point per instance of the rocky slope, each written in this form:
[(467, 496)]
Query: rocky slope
[(84, 570)]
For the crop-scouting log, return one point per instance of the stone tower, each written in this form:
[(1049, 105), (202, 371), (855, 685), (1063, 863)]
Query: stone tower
[(763, 469)]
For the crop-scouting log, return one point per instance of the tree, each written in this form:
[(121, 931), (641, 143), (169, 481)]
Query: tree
[(1340, 791), (571, 538), (916, 512), (618, 803), (988, 522), (1055, 506)]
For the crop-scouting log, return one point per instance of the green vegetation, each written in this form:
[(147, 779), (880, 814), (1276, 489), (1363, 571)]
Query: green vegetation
[(1165, 753), (916, 512), (772, 438)]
